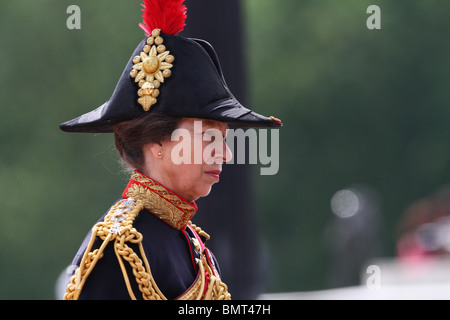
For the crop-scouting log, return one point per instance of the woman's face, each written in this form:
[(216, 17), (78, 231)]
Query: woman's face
[(191, 161)]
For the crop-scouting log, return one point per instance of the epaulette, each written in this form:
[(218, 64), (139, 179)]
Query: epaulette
[(121, 216)]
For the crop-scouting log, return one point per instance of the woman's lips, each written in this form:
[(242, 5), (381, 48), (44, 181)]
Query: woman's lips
[(214, 173)]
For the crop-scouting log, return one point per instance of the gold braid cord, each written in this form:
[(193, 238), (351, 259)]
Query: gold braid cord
[(118, 227), (215, 289), (199, 231)]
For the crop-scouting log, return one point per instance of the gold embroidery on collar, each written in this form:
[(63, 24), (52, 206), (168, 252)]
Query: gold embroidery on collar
[(160, 202)]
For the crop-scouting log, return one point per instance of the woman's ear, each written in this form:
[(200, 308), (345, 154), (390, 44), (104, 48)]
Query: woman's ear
[(155, 149)]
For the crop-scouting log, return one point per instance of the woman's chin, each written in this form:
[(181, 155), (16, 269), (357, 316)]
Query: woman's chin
[(203, 192)]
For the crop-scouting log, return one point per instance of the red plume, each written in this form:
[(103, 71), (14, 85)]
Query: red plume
[(167, 15)]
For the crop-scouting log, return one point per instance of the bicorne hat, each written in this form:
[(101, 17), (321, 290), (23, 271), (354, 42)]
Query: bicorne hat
[(169, 74)]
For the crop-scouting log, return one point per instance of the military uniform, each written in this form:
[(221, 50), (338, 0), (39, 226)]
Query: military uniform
[(145, 246)]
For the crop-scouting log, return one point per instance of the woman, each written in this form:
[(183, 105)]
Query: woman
[(145, 246)]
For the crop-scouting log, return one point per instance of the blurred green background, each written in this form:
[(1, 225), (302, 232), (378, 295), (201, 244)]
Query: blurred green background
[(360, 107)]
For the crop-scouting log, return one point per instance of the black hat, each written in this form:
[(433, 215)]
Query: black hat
[(169, 74)]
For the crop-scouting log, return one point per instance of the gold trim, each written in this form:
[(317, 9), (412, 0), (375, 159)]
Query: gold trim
[(150, 68), (276, 120), (118, 227), (164, 204)]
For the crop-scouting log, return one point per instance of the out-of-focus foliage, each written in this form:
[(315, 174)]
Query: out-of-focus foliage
[(358, 106), (54, 185)]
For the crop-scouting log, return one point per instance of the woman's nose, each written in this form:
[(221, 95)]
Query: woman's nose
[(221, 154), (227, 155)]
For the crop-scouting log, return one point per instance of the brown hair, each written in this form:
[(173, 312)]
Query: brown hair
[(130, 136)]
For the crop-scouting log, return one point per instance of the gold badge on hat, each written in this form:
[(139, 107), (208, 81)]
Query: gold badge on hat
[(150, 68)]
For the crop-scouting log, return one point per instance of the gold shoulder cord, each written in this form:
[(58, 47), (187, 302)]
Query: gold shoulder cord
[(118, 227)]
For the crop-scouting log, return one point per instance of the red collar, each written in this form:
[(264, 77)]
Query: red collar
[(160, 201)]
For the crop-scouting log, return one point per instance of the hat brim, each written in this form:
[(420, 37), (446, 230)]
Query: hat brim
[(229, 111)]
